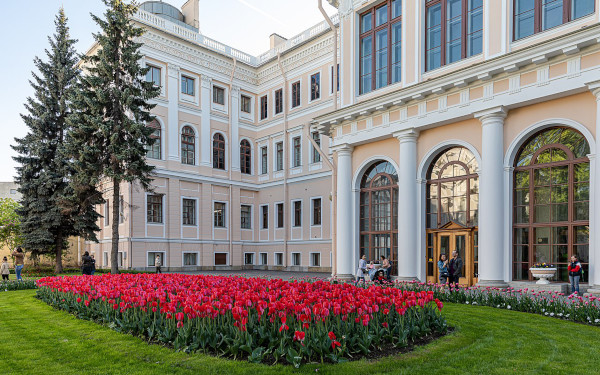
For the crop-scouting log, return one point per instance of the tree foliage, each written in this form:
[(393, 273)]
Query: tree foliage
[(10, 224)]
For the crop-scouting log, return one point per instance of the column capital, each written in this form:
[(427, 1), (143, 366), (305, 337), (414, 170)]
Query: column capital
[(343, 150), (174, 70), (235, 90), (407, 135), (493, 114), (594, 87), (206, 81)]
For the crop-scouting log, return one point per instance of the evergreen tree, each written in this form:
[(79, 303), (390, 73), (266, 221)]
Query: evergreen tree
[(109, 134), (43, 174)]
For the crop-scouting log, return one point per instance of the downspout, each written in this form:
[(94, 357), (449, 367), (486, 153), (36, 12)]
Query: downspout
[(333, 222), (285, 156), (230, 130), (130, 260)]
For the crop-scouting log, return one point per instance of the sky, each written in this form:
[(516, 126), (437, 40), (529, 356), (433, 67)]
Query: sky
[(26, 26)]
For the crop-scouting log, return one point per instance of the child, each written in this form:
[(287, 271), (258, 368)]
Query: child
[(4, 270)]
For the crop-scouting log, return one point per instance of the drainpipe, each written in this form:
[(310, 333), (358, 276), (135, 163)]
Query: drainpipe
[(229, 227), (332, 226), (335, 58), (130, 260), (285, 156)]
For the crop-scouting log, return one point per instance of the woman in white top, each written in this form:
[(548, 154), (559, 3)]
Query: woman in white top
[(362, 269)]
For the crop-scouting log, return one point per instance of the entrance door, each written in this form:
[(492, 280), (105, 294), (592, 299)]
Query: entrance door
[(446, 243)]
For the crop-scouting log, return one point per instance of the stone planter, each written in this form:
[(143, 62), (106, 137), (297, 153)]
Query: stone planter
[(543, 274)]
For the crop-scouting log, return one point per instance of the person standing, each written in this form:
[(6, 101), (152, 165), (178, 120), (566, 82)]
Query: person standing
[(387, 266), (443, 268), (362, 269), (575, 272), (455, 268), (158, 263), (4, 270), (86, 263), (19, 262), (93, 264)]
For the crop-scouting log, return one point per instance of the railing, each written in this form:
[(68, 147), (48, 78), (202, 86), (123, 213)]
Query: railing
[(190, 35)]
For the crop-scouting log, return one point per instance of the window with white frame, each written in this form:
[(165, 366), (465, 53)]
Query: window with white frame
[(296, 94), (105, 259), (316, 157), (297, 213), (338, 78), (264, 216), (245, 157), (189, 212), (246, 216), (188, 145), (107, 213), (263, 259), (316, 211), (219, 215), (296, 259), (249, 259), (264, 107), (279, 259), (279, 207), (218, 95), (278, 101), (279, 156), (121, 210), (154, 151), (297, 152), (246, 104), (152, 258), (155, 208), (220, 259), (264, 160), (190, 259), (315, 86), (187, 85), (315, 259)]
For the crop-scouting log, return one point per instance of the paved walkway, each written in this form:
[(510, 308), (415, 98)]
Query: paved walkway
[(286, 275)]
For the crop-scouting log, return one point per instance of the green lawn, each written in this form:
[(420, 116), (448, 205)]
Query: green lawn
[(38, 339)]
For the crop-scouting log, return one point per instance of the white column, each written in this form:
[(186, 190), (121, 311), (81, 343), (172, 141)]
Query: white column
[(173, 115), (344, 244), (594, 276), (491, 198), (407, 205), (235, 130), (205, 138)]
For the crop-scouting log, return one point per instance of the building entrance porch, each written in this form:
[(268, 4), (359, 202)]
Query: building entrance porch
[(453, 237)]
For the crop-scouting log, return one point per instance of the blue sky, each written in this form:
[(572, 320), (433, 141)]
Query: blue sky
[(27, 24)]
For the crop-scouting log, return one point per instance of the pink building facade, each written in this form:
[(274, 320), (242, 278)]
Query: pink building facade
[(465, 126)]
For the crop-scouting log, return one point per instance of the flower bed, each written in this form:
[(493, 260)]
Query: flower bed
[(256, 319), (553, 304), (9, 286)]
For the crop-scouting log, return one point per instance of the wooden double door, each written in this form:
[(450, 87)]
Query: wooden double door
[(446, 241)]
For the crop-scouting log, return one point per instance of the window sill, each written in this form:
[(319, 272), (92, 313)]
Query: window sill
[(296, 170), (543, 34), (448, 67), (315, 166), (160, 224)]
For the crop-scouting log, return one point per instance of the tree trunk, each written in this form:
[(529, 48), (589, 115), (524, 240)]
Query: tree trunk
[(58, 247), (114, 253)]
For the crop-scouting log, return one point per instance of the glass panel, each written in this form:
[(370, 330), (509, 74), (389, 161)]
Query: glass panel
[(542, 254), (366, 49), (445, 246), (522, 214), (542, 236), (581, 234), (542, 195), (460, 243), (475, 28), (397, 8), (522, 197), (542, 214), (366, 22), (581, 211), (582, 172), (434, 36), (381, 14), (521, 236), (560, 254), (582, 252), (559, 155), (560, 175), (520, 271), (521, 254), (560, 212), (541, 176), (396, 51), (522, 179), (580, 8), (560, 194), (524, 18), (381, 58), (552, 13), (453, 31)]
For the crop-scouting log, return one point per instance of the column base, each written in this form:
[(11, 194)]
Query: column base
[(405, 278), (492, 284), (343, 277), (593, 291)]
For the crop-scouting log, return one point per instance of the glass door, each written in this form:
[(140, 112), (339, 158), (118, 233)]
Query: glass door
[(446, 243)]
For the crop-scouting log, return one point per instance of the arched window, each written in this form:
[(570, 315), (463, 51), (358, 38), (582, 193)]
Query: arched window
[(551, 202), (379, 213), (245, 157), (188, 146), (154, 151), (218, 151)]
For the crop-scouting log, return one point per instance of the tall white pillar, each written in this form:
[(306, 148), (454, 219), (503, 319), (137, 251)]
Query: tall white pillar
[(205, 138), (407, 205), (235, 130), (491, 198), (173, 114), (344, 244), (594, 277)]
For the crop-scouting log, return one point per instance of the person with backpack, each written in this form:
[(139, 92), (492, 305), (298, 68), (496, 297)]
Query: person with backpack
[(575, 272)]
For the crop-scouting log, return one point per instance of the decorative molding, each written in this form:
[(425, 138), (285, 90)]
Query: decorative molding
[(407, 135)]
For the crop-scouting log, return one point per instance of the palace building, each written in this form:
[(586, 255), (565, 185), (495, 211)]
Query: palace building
[(443, 125)]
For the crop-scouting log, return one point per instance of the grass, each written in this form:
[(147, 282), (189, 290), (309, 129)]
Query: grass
[(36, 338)]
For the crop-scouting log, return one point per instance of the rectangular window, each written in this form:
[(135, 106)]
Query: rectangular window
[(263, 259), (315, 260), (263, 107), (316, 157), (279, 215), (533, 16), (316, 209), (315, 86), (155, 209), (187, 85), (454, 31), (220, 259), (218, 95), (189, 212), (121, 210), (107, 213), (190, 259), (264, 160), (279, 155), (298, 213), (278, 101), (338, 78), (246, 215), (279, 259), (297, 150), (295, 94), (246, 104), (153, 75), (380, 46), (219, 215), (296, 259), (249, 259), (265, 217), (152, 258)]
